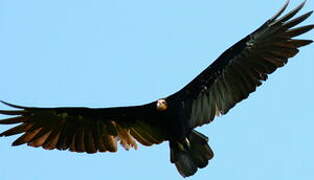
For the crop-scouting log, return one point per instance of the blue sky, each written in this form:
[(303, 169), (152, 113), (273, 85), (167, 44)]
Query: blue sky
[(112, 53)]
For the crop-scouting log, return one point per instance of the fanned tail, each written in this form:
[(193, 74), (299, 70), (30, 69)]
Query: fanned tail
[(191, 153)]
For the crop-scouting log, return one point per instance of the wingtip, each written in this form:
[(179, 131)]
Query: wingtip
[(309, 14), (281, 10), (290, 14), (304, 2), (12, 105), (301, 5), (3, 102)]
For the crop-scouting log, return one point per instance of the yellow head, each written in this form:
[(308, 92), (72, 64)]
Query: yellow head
[(161, 105)]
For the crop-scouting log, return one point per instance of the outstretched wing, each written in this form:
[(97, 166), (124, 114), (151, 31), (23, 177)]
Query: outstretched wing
[(84, 129), (243, 67)]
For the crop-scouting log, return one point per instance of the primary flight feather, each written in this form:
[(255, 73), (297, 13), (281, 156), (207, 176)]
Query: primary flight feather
[(227, 81)]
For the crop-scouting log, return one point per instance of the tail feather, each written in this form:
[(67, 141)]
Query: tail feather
[(190, 154)]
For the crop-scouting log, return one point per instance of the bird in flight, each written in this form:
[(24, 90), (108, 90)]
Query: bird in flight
[(228, 80)]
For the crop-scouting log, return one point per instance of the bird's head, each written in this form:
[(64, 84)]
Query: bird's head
[(161, 105)]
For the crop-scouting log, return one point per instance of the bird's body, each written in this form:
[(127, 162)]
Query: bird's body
[(230, 79)]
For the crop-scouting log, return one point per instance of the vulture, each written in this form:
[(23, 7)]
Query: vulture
[(235, 74)]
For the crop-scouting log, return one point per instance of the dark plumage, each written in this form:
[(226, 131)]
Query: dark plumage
[(230, 79)]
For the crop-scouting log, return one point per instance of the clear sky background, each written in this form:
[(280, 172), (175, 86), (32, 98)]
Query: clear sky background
[(111, 53)]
